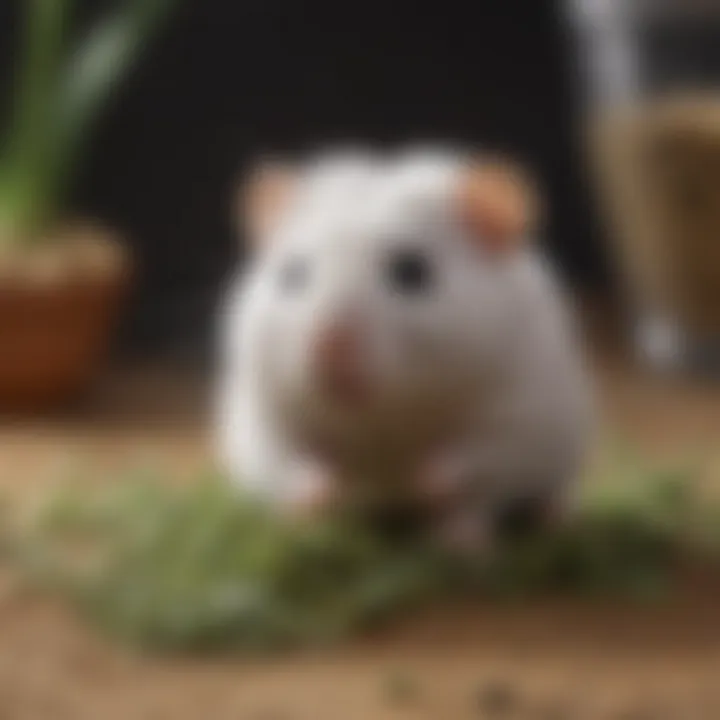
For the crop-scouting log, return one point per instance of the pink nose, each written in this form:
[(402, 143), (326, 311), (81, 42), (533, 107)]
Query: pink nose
[(338, 358)]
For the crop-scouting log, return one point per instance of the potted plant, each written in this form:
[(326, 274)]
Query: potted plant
[(61, 279)]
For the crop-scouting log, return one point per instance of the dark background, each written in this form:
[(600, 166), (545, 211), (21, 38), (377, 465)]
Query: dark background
[(226, 81)]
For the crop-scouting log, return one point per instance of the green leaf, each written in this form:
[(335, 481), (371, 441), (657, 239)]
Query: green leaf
[(95, 71), (60, 97), (29, 141)]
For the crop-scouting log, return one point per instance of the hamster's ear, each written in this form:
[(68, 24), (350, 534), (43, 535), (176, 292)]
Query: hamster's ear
[(498, 203), (261, 199)]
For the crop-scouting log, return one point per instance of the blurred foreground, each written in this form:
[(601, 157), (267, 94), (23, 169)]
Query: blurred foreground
[(598, 658)]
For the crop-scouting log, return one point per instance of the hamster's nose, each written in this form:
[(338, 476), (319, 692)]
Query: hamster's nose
[(339, 360)]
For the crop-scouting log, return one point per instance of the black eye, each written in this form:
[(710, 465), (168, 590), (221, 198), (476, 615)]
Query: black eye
[(410, 272), (294, 275)]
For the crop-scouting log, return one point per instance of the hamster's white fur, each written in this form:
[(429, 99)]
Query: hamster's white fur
[(492, 345)]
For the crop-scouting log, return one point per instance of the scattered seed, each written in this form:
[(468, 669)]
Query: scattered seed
[(496, 699), (400, 688)]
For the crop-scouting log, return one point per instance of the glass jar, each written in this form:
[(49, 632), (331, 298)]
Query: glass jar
[(651, 71)]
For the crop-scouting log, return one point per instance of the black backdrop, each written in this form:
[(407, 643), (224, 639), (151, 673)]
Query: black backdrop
[(229, 79)]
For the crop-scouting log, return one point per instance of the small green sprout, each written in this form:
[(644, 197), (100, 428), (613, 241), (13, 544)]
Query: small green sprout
[(203, 569)]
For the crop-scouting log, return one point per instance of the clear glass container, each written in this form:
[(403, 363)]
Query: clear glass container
[(651, 71)]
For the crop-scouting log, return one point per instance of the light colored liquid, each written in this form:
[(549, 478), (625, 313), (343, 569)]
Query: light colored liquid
[(658, 168)]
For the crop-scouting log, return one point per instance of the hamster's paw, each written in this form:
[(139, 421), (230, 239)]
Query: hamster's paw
[(545, 513), (443, 478), (558, 509), (466, 534), (313, 490)]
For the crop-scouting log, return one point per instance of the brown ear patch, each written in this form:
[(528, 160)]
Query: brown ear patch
[(498, 203), (261, 199)]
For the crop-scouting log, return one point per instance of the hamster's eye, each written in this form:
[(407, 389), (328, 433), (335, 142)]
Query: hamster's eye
[(294, 275), (410, 272)]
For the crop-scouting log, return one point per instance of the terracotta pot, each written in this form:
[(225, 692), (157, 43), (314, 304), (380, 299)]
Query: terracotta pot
[(58, 307)]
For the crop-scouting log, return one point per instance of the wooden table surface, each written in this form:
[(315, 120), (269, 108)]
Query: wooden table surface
[(600, 659)]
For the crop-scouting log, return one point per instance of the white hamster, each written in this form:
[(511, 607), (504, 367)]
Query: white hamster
[(398, 334)]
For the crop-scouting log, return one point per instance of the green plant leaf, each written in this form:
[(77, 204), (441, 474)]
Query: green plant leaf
[(59, 102), (102, 62), (29, 140), (95, 71)]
